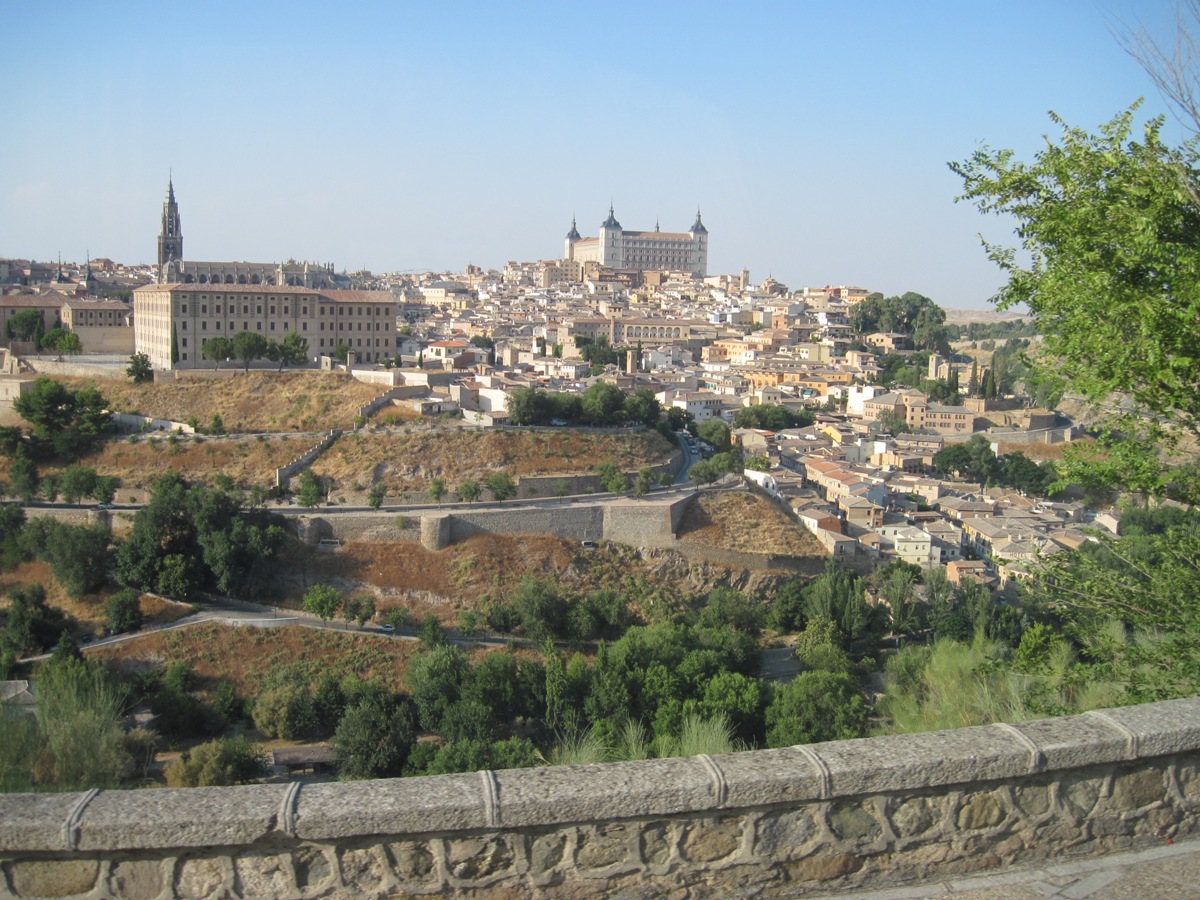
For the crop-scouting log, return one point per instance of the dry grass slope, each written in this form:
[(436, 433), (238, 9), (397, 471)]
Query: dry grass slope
[(258, 401), (410, 460), (745, 522)]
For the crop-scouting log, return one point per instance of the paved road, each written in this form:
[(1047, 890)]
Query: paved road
[(1166, 871)]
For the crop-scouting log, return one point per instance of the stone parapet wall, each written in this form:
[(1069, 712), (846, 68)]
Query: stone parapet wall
[(284, 473), (819, 818)]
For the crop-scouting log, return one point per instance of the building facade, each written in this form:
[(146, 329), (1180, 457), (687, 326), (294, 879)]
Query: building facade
[(616, 248), (174, 320)]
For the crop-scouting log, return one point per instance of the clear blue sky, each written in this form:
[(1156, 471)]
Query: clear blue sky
[(397, 136)]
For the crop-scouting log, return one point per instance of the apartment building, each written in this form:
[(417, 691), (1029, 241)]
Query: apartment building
[(174, 320)]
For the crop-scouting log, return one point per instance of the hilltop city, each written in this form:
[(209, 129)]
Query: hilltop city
[(887, 385)]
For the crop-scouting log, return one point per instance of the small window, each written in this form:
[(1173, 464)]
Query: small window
[(245, 326), (272, 326), (185, 356), (204, 308), (285, 310), (184, 324), (204, 326), (304, 326), (259, 312), (185, 309), (185, 342), (272, 310)]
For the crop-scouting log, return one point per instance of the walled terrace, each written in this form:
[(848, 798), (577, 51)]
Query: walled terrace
[(812, 819)]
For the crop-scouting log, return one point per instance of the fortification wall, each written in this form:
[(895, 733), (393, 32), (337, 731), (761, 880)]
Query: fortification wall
[(581, 523), (284, 473), (81, 369), (641, 523), (637, 522), (820, 818)]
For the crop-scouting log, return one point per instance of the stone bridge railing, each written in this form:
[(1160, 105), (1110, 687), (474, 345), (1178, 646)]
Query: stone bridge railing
[(819, 818)]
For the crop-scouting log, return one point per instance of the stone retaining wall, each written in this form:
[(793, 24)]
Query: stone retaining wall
[(647, 522), (820, 818)]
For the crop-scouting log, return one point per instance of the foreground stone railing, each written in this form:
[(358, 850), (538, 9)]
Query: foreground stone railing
[(817, 818)]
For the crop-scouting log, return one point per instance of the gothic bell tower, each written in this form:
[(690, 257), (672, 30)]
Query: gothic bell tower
[(170, 235)]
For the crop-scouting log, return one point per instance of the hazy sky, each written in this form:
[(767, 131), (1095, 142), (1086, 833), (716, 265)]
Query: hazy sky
[(415, 136)]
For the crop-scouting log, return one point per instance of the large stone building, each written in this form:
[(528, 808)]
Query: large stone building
[(615, 248), (174, 320), (174, 269)]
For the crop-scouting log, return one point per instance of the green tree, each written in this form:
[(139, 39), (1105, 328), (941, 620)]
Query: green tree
[(12, 522), (249, 346), (468, 491), (76, 482), (434, 681), (123, 611), (612, 479), (528, 406), (78, 556), (65, 423), (771, 417), (715, 433), (500, 484), (1109, 231), (376, 495), (293, 350), (816, 706), (286, 711), (140, 370), (79, 743), (23, 479), (373, 739), (437, 490), (104, 490), (603, 403), (309, 493), (217, 349), (26, 325), (61, 340), (323, 601), (32, 626), (643, 482), (224, 761), (642, 406)]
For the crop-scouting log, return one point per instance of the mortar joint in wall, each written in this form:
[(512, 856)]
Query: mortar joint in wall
[(823, 772), (719, 785), (1132, 743), (71, 825), (288, 808), (1036, 759), (491, 798)]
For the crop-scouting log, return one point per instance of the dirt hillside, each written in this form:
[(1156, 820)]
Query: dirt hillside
[(258, 401)]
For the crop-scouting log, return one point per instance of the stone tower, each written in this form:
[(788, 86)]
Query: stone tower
[(170, 235), (572, 239), (612, 253)]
